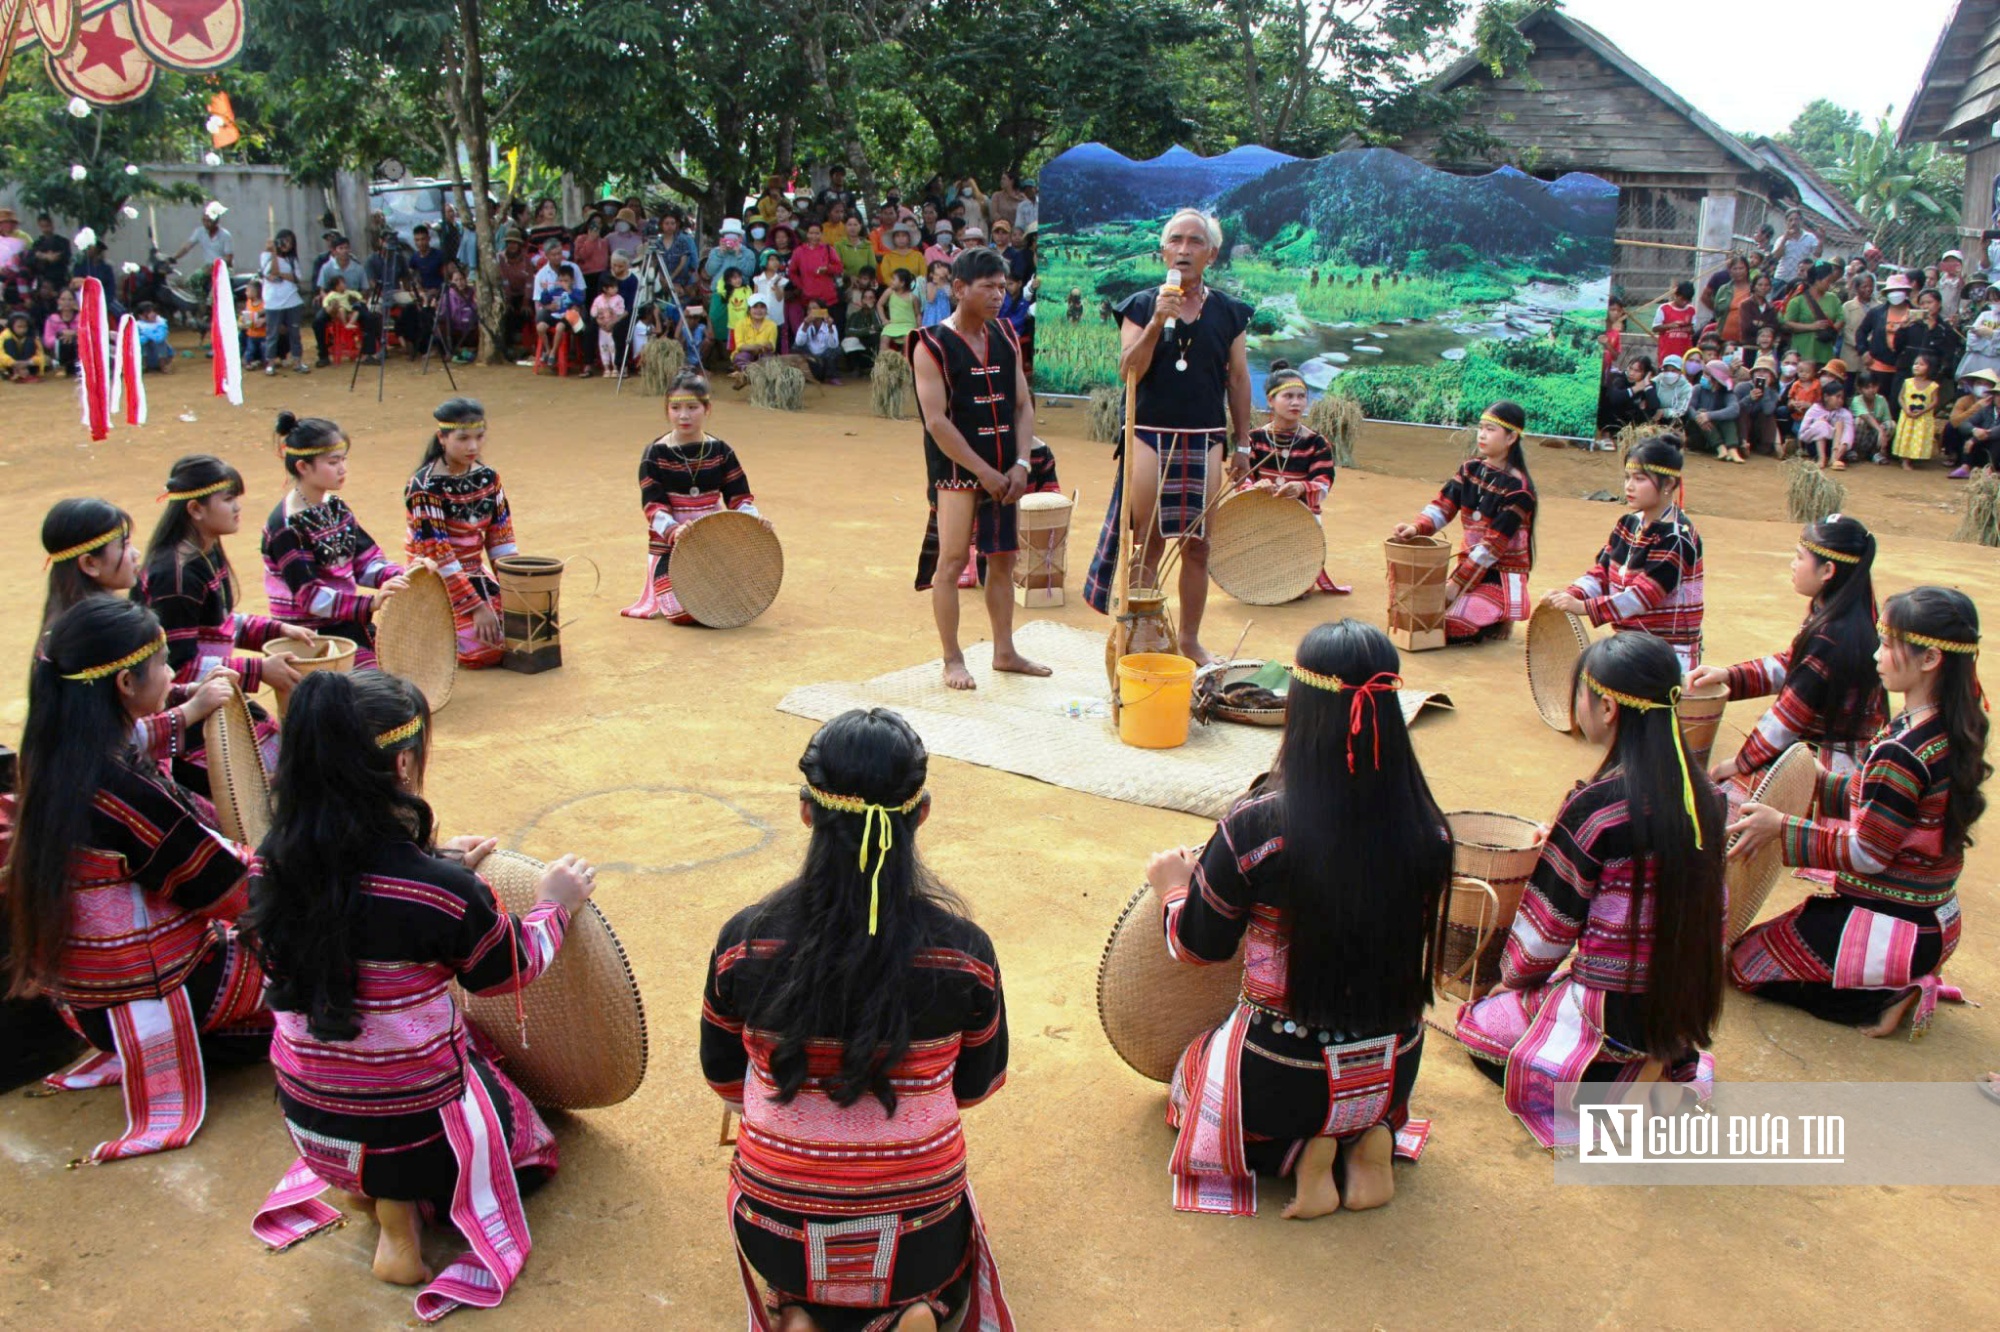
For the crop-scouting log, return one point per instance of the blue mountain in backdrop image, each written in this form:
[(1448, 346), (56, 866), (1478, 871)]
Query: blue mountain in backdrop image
[(1421, 294)]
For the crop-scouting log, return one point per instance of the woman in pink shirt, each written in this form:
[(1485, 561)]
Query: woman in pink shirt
[(815, 271)]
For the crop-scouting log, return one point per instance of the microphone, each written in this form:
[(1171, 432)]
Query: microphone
[(1173, 281)]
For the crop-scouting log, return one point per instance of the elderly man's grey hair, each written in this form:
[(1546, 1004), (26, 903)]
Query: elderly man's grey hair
[(1209, 225)]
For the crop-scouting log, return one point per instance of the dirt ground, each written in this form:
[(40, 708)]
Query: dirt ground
[(659, 752)]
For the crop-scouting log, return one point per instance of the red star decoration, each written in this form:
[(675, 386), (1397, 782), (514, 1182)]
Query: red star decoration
[(187, 19), (102, 45)]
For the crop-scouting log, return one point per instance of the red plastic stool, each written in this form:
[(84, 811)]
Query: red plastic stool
[(345, 344), (552, 343)]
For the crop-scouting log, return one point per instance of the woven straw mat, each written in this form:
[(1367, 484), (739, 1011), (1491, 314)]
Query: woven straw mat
[(1555, 640), (586, 1025), (416, 638), (1263, 550), (1022, 724), (237, 782), (1152, 1006), (727, 569), (1787, 786)]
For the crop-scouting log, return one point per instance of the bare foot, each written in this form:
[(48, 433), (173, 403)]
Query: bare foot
[(1371, 1179), (1892, 1017), (399, 1254), (1195, 652), (917, 1318), (956, 676), (1316, 1193), (1015, 664), (354, 1202)]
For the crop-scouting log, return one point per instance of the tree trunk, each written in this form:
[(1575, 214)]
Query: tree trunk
[(1250, 92), (834, 101), (466, 95)]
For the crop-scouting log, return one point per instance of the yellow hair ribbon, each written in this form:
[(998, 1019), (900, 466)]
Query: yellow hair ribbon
[(397, 735), (875, 823), (1680, 748), (479, 424), (182, 496), (130, 659), (1828, 553), (1489, 418), (85, 547), (1657, 469), (694, 398)]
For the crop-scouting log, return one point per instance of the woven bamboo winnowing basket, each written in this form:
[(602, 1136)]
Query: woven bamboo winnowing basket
[(1263, 550)]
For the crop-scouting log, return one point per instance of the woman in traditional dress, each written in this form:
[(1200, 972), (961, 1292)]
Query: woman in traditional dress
[(1310, 1074), (1829, 692), (849, 1017), (317, 557), (1291, 459), (1493, 497), (363, 921), (1649, 574), (90, 553), (119, 897), (188, 583), (684, 475), (1629, 893), (1893, 834), (459, 519)]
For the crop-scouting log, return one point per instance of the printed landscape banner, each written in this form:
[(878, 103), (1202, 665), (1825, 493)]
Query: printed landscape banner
[(1421, 294)]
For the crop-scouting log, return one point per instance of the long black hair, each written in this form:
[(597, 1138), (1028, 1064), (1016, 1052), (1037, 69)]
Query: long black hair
[(1844, 615), (335, 803), (76, 731), (1947, 614), (1515, 418), (1367, 851), (195, 473), (1683, 880), (301, 439), (72, 523), (835, 980), (452, 414)]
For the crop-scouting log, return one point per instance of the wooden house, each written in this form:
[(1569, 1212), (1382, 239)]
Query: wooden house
[(1579, 103), (1958, 105)]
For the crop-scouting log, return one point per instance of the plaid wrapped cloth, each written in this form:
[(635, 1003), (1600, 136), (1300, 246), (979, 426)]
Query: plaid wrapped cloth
[(1183, 462)]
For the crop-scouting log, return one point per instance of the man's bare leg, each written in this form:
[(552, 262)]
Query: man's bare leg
[(955, 516), (1000, 610), (1145, 503), (1194, 568)]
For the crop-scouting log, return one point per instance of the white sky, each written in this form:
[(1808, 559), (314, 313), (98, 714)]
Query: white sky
[(1752, 69)]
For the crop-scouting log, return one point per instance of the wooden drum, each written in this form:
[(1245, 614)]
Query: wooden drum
[(1700, 715), (530, 605), (1419, 591), (1043, 562), (1492, 857)]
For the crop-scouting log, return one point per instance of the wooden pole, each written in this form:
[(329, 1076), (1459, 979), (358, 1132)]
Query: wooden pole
[(1127, 525)]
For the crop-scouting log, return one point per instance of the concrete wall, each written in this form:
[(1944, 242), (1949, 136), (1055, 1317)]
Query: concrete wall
[(256, 196)]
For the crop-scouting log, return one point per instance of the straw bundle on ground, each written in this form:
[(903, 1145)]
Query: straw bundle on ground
[(1467, 440), (1629, 434), (1981, 524), (1811, 494), (893, 387), (1338, 418), (1107, 415), (660, 364), (778, 386)]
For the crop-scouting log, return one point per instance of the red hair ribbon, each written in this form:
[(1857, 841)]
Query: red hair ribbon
[(1383, 682)]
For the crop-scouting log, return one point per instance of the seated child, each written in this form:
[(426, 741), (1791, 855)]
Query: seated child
[(1290, 458), (757, 339), (819, 342), (1827, 429), (552, 316), (250, 322), (459, 309), (21, 357), (342, 306), (1872, 426), (155, 355)]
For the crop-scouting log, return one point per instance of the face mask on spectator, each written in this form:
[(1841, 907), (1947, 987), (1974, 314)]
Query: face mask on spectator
[(624, 226), (756, 233), (1790, 372), (1898, 297), (1670, 374)]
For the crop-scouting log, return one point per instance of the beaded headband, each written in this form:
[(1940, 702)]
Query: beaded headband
[(875, 822), (1657, 469), (292, 452), (1364, 694), (129, 660), (397, 735), (1638, 704), (1489, 418), (84, 548), (477, 423), (182, 496), (1828, 553), (1926, 641), (695, 398)]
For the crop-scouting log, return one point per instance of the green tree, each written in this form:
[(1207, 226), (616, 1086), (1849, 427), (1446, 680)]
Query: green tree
[(40, 143), (1821, 132)]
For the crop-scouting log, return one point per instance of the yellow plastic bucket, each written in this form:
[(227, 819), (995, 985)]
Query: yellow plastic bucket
[(1155, 693)]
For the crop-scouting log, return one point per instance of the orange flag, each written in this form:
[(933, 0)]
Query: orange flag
[(222, 115)]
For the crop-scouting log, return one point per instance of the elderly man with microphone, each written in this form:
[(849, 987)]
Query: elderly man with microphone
[(1184, 343)]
